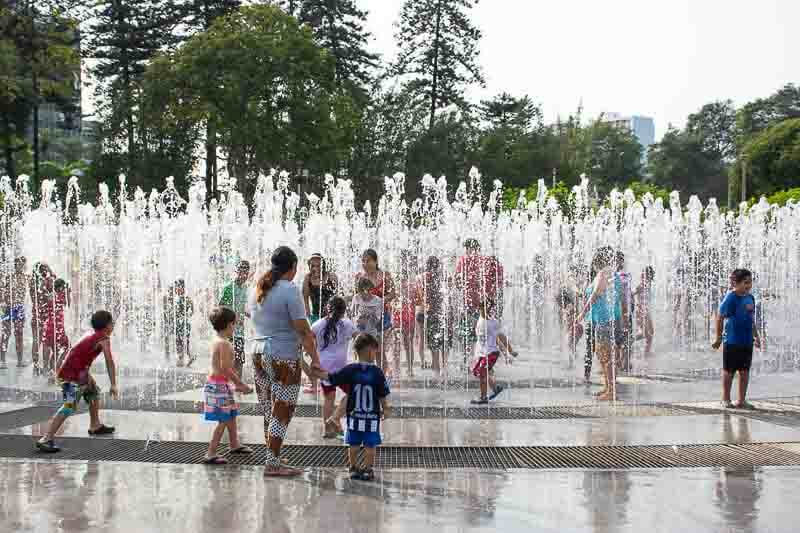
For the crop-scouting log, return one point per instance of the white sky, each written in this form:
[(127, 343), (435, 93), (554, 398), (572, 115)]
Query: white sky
[(658, 58)]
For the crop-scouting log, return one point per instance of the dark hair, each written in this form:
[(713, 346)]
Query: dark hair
[(472, 244), (243, 266), (741, 274), (338, 307), (59, 284), (283, 260), (649, 273), (20, 260), (365, 284), (372, 254), (221, 317), (433, 264), (179, 284), (101, 320), (365, 341), (620, 258), (602, 258)]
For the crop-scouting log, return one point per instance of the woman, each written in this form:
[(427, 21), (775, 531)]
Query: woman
[(319, 286), (602, 302), (279, 318), (383, 288)]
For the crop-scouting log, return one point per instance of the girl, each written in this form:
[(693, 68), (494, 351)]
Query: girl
[(41, 285), (644, 308), (383, 288), (54, 339), (433, 298), (404, 314), (333, 334), (319, 286), (220, 403), (178, 311)]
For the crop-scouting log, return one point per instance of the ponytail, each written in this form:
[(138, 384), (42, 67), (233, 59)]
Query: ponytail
[(283, 260), (338, 307)]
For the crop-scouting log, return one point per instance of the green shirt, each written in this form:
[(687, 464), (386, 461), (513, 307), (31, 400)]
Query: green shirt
[(235, 297)]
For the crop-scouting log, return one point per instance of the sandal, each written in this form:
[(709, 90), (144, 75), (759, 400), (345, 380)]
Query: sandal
[(102, 430), (745, 405), (242, 450), (216, 460)]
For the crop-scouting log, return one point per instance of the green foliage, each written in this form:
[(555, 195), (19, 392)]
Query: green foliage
[(561, 192), (773, 157), (762, 113), (714, 125), (640, 189), (781, 197), (438, 52)]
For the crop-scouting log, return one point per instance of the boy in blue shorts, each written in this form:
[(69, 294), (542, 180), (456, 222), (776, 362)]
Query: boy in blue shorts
[(737, 311), (366, 404)]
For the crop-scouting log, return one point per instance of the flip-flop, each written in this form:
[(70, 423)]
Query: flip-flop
[(282, 471), (242, 450), (102, 430), (216, 460)]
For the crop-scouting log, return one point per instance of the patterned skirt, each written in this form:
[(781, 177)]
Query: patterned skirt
[(220, 402)]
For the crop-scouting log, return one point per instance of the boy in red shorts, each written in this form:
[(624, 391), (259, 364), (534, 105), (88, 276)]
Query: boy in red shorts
[(491, 340), (77, 383)]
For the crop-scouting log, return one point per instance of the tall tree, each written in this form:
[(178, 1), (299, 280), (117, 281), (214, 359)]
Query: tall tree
[(714, 125), (338, 26), (762, 113), (773, 158), (123, 37), (506, 111), (438, 52)]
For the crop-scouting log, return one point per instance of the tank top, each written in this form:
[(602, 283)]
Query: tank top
[(80, 358)]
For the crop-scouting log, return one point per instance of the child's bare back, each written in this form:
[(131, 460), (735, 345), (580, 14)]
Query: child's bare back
[(221, 357)]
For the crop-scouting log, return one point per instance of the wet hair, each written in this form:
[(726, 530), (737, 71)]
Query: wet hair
[(433, 264), (59, 284), (741, 274), (316, 256), (101, 320), (372, 254), (180, 283), (602, 258), (283, 260), (620, 257), (243, 266), (221, 317), (472, 244), (20, 261), (365, 341), (337, 309), (365, 284), (649, 273)]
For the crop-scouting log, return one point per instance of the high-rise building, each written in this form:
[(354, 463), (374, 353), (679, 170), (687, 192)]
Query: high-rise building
[(643, 128)]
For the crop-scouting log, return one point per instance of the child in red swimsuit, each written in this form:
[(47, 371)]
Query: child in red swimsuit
[(54, 338)]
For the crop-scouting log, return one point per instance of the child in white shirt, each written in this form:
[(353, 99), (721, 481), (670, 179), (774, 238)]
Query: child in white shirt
[(491, 339)]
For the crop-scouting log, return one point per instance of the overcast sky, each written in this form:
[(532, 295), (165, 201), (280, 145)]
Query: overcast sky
[(658, 58)]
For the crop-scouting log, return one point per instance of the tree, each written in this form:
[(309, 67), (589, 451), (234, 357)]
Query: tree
[(773, 157), (506, 111), (714, 125), (271, 98), (438, 52), (762, 113), (338, 26)]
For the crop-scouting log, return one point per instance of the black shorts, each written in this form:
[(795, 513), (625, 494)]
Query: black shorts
[(737, 356)]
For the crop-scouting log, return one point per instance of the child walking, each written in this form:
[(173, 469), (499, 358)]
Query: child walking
[(366, 404), (737, 312), (77, 382), (220, 403), (491, 340)]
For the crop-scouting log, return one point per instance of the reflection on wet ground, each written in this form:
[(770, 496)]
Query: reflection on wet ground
[(81, 497)]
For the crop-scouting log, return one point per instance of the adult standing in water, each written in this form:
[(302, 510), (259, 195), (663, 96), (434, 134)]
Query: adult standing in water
[(279, 317), (319, 286), (383, 288)]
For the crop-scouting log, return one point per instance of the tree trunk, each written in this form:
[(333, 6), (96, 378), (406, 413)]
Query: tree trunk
[(211, 161), (435, 81), (8, 151)]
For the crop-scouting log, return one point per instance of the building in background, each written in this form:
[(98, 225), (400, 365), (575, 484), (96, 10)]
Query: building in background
[(643, 128)]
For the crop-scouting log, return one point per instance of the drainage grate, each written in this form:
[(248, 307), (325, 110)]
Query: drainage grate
[(392, 457), (25, 417)]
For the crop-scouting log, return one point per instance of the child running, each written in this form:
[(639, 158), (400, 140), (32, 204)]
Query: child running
[(77, 382), (220, 403), (366, 404), (491, 340), (333, 334), (737, 312), (54, 340)]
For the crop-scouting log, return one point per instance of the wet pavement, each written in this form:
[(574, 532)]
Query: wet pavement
[(76, 497)]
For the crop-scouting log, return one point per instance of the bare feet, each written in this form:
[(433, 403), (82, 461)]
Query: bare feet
[(606, 396), (281, 471)]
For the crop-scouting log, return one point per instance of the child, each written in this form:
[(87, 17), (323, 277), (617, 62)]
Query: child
[(12, 297), (366, 404), (434, 313), (644, 308), (234, 296), (737, 311), (54, 340), (220, 403), (77, 382), (41, 285), (367, 309), (491, 340), (178, 310), (333, 333)]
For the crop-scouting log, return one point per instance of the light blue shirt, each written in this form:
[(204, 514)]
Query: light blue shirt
[(273, 318)]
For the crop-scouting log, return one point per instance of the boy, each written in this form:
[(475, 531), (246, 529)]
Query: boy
[(490, 340), (234, 296), (220, 403), (737, 310), (77, 383), (366, 404), (12, 297)]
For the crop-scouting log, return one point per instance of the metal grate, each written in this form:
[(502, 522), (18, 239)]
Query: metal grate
[(393, 457)]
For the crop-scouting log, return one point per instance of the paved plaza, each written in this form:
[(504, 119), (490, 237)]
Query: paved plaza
[(544, 457)]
